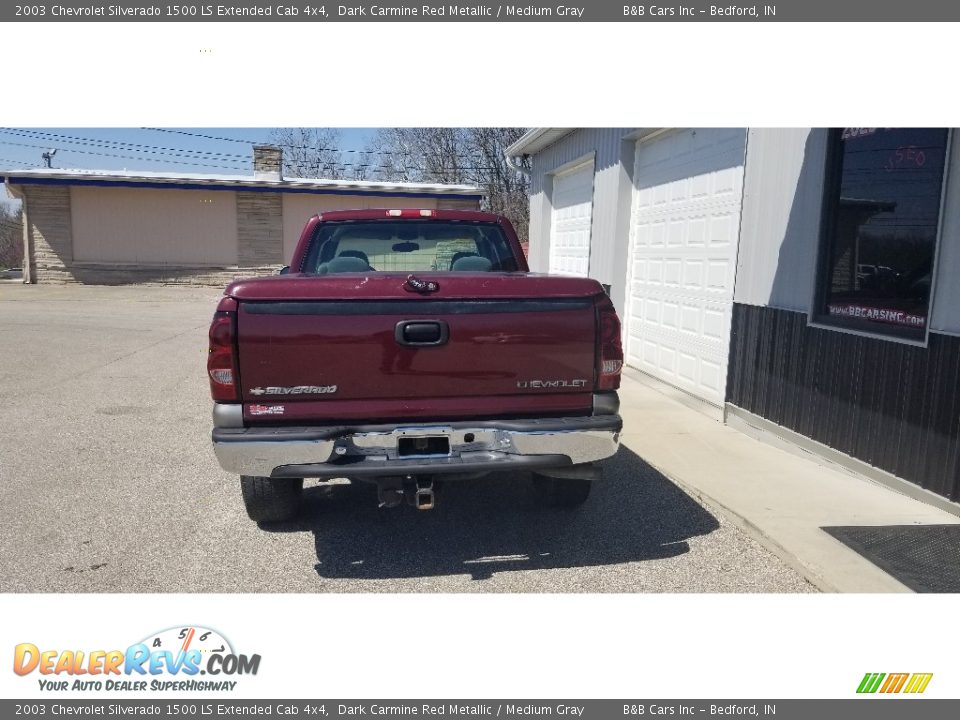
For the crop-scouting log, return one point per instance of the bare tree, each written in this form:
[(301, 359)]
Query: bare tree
[(475, 156), (310, 152), (11, 236)]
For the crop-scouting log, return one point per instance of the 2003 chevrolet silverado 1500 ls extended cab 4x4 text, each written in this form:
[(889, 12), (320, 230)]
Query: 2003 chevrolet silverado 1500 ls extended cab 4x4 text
[(409, 347)]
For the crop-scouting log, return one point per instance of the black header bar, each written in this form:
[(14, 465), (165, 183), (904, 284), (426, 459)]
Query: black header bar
[(317, 11)]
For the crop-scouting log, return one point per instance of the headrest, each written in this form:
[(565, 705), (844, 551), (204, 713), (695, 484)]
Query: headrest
[(347, 264), (472, 263)]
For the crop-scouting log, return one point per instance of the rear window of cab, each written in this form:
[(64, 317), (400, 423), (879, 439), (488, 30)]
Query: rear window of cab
[(408, 246)]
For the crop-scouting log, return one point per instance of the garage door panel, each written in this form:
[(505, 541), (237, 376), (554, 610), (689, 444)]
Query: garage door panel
[(714, 323), (668, 357), (718, 272), (684, 230), (709, 276), (697, 231), (690, 321), (571, 218), (723, 229), (652, 311), (676, 231), (711, 375), (686, 321), (672, 272), (671, 315), (687, 367), (693, 274)]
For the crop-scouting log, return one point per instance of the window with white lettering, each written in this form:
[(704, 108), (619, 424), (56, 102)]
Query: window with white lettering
[(881, 214)]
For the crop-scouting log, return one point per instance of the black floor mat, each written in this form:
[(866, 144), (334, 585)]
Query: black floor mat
[(925, 558)]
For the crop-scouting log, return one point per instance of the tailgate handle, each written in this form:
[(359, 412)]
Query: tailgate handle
[(420, 333)]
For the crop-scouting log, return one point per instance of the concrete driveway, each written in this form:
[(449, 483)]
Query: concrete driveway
[(109, 484)]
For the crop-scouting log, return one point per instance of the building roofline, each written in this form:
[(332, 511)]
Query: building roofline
[(536, 139), (191, 181)]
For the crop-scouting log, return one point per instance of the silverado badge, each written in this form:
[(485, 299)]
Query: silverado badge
[(295, 390)]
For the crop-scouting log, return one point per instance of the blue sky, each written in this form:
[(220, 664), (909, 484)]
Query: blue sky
[(160, 150), (145, 149)]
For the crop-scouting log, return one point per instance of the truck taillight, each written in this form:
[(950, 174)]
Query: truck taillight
[(222, 356), (610, 355)]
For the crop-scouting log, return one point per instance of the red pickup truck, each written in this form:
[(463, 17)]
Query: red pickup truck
[(406, 348)]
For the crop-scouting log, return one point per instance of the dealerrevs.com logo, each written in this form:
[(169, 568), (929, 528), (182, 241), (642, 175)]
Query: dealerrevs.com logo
[(891, 683), (172, 659)]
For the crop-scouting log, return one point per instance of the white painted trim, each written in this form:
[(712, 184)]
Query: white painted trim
[(537, 139), (643, 133), (736, 255), (568, 168), (655, 134)]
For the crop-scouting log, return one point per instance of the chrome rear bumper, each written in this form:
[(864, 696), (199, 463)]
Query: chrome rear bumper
[(375, 450)]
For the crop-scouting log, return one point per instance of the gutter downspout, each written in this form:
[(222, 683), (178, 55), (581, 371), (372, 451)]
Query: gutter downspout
[(513, 166)]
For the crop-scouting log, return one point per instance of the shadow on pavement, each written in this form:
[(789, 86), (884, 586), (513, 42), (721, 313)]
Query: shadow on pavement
[(484, 526)]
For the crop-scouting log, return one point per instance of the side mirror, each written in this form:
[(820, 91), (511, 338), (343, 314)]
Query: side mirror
[(284, 270)]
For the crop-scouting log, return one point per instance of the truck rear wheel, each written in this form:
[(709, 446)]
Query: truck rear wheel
[(561, 492), (271, 499)]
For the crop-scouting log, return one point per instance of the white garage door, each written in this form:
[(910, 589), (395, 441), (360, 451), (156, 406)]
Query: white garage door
[(572, 202), (684, 230)]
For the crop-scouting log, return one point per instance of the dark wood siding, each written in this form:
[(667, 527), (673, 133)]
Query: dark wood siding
[(893, 405)]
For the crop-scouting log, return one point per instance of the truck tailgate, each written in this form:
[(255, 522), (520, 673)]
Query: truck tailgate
[(399, 358)]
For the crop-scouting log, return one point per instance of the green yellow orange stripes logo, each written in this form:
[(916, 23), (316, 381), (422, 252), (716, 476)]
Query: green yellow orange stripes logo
[(894, 682)]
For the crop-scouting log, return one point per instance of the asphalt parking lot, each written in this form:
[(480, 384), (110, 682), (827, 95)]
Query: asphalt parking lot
[(109, 484)]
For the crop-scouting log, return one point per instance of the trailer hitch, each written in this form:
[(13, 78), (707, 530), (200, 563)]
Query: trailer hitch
[(424, 498)]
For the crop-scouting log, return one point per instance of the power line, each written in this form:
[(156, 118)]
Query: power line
[(214, 155), (121, 145), (203, 155), (205, 137), (19, 162), (130, 157), (405, 153)]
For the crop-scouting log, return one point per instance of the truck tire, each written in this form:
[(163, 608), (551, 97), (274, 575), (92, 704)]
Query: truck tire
[(271, 499), (561, 492)]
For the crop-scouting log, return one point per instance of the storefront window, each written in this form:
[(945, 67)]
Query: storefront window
[(882, 207)]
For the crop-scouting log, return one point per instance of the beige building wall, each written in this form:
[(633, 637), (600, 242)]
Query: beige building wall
[(106, 235), (161, 227)]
